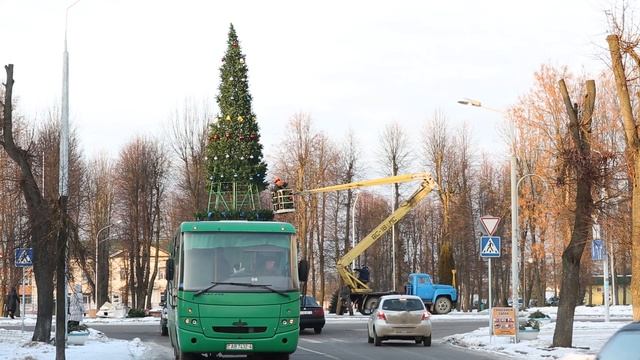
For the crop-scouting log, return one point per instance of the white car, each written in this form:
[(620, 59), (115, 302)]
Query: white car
[(399, 317)]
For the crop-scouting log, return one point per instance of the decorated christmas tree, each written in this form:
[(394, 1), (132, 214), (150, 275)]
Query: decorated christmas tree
[(234, 154)]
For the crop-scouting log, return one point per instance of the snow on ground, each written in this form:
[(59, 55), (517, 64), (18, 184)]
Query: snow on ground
[(17, 345), (588, 337)]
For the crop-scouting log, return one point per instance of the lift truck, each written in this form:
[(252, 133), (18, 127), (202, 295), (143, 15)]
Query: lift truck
[(441, 298)]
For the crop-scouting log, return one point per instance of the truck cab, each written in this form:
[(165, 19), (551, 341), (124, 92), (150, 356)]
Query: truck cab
[(439, 298)]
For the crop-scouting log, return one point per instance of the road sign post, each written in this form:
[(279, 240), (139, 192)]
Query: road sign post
[(489, 247), (599, 253), (24, 258)]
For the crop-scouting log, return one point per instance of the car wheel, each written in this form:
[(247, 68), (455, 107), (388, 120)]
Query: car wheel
[(442, 305), (426, 341), (376, 339), (164, 331), (317, 330), (369, 338)]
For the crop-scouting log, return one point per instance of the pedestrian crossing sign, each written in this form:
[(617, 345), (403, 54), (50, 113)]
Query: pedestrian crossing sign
[(24, 257), (490, 246)]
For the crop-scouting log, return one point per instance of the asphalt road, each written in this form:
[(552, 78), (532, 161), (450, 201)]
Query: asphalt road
[(344, 340)]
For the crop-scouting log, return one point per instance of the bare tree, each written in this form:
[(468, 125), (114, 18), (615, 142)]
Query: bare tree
[(40, 214), (580, 158), (395, 159), (99, 199), (438, 149), (189, 129), (140, 188), (624, 42)]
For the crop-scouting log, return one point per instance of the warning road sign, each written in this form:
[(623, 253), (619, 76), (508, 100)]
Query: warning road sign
[(490, 246), (24, 257)]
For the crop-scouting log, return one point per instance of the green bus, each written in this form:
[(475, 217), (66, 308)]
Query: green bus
[(234, 288)]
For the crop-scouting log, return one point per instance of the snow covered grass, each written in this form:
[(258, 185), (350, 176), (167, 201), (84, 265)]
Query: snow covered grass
[(15, 344), (588, 338)]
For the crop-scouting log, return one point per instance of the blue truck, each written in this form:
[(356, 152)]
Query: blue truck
[(439, 298)]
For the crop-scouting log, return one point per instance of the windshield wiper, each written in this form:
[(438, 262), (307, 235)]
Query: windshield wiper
[(264, 286)]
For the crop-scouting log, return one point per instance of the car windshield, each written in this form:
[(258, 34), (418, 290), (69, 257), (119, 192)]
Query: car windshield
[(228, 258), (309, 301), (402, 305), (623, 345)]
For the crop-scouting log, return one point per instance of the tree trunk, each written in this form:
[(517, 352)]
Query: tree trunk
[(570, 287), (633, 148)]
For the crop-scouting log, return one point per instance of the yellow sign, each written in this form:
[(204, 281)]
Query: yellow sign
[(503, 321)]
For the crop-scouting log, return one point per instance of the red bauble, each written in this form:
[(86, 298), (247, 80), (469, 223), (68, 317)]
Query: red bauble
[(253, 136), (227, 135), (241, 138)]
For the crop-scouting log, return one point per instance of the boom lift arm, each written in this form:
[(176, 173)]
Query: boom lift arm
[(426, 186)]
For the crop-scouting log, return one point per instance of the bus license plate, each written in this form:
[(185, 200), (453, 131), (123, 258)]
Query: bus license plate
[(239, 346)]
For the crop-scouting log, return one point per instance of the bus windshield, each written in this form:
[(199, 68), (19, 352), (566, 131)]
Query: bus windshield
[(238, 258)]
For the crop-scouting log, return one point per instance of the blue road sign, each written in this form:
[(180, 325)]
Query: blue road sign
[(597, 250), (24, 257), (490, 246)]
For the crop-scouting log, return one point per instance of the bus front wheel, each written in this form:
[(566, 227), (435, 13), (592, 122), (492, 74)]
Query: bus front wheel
[(179, 355)]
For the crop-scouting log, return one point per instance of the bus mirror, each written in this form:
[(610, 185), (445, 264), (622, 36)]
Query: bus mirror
[(303, 270), (170, 269)]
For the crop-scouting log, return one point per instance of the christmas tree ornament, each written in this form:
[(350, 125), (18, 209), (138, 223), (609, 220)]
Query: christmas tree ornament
[(250, 156), (241, 157), (228, 117), (240, 119), (215, 158), (227, 156)]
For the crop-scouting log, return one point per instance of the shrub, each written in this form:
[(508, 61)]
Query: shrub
[(136, 313), (538, 315), (76, 327), (530, 324)]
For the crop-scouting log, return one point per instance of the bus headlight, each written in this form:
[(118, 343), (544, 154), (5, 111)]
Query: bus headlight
[(286, 322)]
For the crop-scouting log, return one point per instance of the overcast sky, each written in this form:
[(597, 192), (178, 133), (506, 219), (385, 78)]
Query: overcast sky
[(350, 64)]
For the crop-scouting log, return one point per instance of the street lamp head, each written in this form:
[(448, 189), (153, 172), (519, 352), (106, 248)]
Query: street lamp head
[(472, 102)]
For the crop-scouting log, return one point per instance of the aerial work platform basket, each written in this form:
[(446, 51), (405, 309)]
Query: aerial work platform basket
[(282, 201)]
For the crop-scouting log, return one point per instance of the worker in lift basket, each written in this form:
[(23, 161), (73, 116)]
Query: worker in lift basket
[(363, 274), (279, 183)]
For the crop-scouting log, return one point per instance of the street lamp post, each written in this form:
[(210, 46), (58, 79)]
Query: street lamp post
[(98, 257), (514, 203), (63, 190)]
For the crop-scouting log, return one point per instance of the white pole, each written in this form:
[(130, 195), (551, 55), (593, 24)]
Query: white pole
[(490, 300), (613, 274), (64, 146), (605, 265), (24, 308)]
